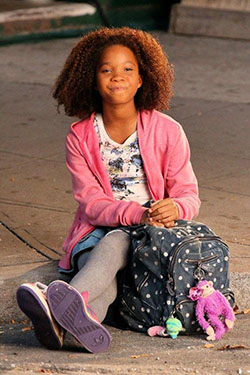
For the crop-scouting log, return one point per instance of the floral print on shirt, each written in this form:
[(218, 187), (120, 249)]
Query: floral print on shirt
[(124, 165)]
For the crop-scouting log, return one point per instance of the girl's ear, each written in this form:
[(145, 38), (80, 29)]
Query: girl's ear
[(140, 82)]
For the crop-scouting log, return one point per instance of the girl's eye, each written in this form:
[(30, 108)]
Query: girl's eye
[(128, 69), (105, 70)]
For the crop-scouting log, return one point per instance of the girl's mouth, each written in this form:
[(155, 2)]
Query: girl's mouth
[(117, 88)]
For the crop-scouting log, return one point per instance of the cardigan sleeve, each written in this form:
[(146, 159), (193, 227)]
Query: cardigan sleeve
[(181, 182), (97, 208)]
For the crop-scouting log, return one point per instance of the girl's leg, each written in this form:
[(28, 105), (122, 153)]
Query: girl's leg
[(101, 304), (69, 304), (104, 261), (82, 259)]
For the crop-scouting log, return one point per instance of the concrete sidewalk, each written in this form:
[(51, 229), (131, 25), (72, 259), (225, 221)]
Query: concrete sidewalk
[(36, 205)]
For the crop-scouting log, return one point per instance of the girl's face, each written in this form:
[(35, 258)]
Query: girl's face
[(118, 77)]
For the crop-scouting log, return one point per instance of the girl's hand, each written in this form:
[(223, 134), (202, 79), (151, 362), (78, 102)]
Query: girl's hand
[(147, 220), (164, 211)]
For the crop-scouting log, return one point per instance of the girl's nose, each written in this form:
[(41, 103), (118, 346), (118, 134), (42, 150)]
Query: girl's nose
[(117, 78)]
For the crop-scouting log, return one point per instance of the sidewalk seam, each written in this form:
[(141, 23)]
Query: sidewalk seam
[(24, 241)]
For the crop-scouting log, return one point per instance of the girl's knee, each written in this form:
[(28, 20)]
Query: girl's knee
[(118, 239), (117, 234)]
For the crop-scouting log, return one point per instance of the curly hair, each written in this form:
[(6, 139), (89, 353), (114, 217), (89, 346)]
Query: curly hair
[(75, 88)]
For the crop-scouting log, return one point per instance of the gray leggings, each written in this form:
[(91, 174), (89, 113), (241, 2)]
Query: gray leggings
[(98, 269)]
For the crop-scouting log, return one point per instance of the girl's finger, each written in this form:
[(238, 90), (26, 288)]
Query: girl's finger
[(169, 225), (161, 203), (167, 215), (169, 219), (156, 223), (155, 203), (162, 214), (162, 208)]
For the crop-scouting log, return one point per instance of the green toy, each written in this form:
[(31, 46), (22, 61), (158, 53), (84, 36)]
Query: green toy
[(173, 327)]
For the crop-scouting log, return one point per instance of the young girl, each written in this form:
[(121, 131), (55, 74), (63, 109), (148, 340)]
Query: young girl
[(122, 154)]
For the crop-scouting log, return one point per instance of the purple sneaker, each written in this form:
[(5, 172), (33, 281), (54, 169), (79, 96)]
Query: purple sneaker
[(70, 309), (31, 299)]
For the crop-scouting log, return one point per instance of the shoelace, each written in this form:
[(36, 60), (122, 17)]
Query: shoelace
[(42, 287)]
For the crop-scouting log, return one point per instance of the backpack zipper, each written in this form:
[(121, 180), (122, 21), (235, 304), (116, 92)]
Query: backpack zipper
[(131, 311), (177, 250), (140, 286), (180, 303), (201, 260), (141, 245), (184, 242)]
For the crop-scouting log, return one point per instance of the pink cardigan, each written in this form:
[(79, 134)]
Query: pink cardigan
[(166, 159)]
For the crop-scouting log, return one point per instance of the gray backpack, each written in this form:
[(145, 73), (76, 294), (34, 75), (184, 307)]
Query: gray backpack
[(164, 264)]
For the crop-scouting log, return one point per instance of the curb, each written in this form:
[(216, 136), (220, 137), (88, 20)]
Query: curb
[(53, 21), (204, 21)]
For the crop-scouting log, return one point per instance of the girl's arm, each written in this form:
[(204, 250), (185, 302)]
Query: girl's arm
[(181, 182), (181, 186), (97, 208)]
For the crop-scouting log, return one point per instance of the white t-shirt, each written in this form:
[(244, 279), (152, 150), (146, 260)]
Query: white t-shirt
[(124, 165)]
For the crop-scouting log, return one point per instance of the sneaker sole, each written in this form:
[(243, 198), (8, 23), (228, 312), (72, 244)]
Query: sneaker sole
[(70, 311), (31, 303)]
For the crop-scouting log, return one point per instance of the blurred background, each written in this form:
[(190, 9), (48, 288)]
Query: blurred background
[(22, 20), (29, 19)]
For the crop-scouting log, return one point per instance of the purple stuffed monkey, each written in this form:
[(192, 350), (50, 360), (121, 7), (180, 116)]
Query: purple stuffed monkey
[(214, 305)]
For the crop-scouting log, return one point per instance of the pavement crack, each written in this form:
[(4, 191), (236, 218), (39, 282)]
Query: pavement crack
[(24, 241), (207, 112), (30, 157), (239, 243), (42, 243), (222, 154), (32, 205), (223, 190), (41, 84), (24, 263)]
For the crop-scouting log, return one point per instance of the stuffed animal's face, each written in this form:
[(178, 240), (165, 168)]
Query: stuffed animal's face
[(207, 289), (203, 289)]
